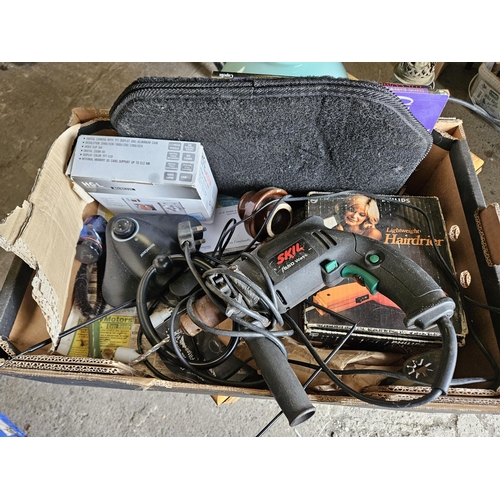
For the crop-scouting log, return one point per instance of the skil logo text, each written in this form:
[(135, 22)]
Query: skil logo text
[(289, 254)]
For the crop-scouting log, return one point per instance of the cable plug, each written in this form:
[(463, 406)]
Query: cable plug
[(189, 235)]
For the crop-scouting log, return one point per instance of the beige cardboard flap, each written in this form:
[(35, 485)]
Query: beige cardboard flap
[(12, 226), (51, 251), (83, 115), (453, 128)]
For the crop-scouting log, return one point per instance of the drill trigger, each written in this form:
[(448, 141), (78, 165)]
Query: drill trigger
[(362, 276)]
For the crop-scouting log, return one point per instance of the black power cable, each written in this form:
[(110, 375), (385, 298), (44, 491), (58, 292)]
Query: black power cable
[(448, 347), (198, 368), (151, 333)]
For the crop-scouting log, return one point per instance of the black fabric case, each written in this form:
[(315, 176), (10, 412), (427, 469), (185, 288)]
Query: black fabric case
[(299, 134)]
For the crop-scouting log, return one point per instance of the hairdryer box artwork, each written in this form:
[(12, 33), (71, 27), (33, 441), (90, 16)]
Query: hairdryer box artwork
[(127, 174)]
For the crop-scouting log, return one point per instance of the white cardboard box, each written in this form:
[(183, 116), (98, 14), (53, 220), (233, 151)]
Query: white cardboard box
[(127, 174)]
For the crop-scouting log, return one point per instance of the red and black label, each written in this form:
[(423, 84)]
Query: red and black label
[(292, 257)]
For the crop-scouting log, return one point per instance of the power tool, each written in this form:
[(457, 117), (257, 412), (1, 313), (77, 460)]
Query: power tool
[(300, 262)]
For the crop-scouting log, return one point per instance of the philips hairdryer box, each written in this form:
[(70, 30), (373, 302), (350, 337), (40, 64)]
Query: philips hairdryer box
[(127, 174)]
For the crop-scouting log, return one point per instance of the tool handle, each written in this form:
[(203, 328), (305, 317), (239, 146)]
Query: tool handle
[(404, 282), (281, 380)]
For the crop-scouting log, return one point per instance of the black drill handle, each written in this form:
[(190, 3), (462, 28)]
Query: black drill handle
[(281, 380), (404, 282)]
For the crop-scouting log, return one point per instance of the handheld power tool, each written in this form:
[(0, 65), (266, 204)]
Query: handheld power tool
[(303, 260)]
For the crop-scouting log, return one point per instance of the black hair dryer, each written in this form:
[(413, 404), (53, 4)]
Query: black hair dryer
[(133, 241)]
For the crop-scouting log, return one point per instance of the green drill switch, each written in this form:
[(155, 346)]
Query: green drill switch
[(360, 274), (330, 266)]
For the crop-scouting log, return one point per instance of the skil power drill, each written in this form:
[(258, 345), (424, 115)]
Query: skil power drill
[(309, 256)]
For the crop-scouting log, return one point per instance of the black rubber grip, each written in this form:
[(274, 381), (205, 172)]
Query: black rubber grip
[(281, 380)]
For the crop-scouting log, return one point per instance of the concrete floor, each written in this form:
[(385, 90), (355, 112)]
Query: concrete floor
[(35, 103)]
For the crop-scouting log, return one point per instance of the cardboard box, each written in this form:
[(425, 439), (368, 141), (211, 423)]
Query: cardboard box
[(380, 322), (44, 234), (127, 174)]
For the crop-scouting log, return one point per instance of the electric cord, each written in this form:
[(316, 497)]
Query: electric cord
[(194, 368), (449, 347), (483, 114), (143, 358), (239, 366), (151, 334), (247, 311), (177, 358), (359, 371), (221, 307), (72, 330), (254, 332), (196, 365), (389, 374), (236, 280), (175, 355), (319, 368), (250, 329), (225, 237), (494, 381), (232, 224), (494, 122), (245, 330)]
